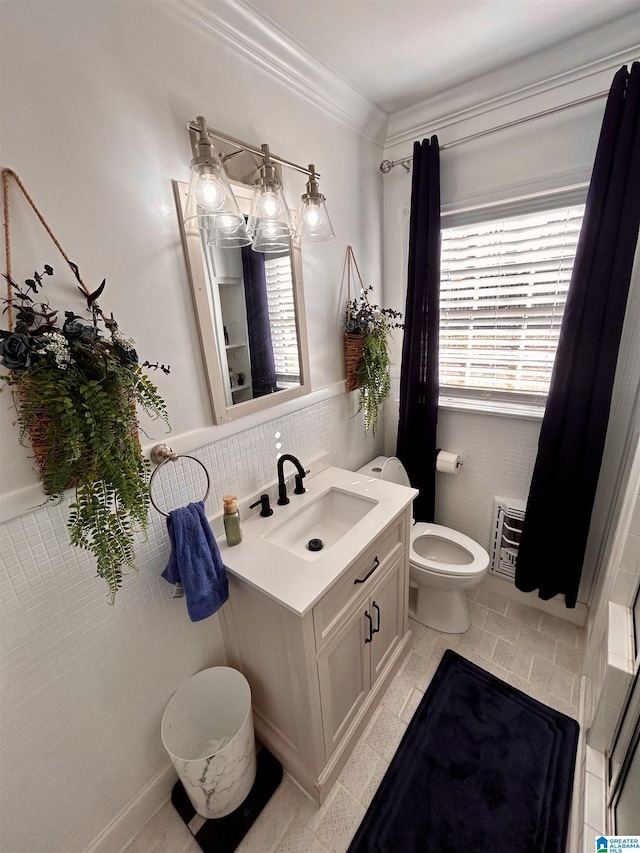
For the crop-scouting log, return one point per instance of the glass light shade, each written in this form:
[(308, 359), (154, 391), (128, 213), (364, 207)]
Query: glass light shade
[(212, 206), (269, 211), (314, 225), (228, 233), (271, 237)]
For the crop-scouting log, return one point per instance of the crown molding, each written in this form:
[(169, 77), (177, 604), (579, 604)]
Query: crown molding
[(523, 87), (242, 28)]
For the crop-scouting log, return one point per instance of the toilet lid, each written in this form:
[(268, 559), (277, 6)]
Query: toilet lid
[(446, 541), (393, 471)]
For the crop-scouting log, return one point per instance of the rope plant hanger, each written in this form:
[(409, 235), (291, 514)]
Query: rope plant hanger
[(75, 384), (353, 340)]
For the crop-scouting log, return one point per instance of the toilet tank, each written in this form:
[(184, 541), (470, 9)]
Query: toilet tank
[(388, 468)]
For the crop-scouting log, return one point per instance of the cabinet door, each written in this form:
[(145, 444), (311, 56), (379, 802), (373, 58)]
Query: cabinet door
[(343, 670), (386, 613)]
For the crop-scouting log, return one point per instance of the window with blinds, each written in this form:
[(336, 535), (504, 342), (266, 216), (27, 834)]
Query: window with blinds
[(503, 288), (282, 316)]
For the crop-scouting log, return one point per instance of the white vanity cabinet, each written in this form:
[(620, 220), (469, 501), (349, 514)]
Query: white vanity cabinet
[(316, 678), (356, 654)]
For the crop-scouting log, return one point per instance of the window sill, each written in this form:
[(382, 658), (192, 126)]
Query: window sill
[(492, 407)]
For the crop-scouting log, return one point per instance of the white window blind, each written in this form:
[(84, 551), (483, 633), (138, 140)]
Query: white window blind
[(282, 315), (503, 288)]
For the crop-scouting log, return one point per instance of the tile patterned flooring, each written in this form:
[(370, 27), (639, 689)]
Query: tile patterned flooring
[(538, 653)]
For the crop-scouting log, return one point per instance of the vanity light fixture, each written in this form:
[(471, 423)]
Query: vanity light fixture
[(210, 200), (314, 225), (270, 224), (212, 206)]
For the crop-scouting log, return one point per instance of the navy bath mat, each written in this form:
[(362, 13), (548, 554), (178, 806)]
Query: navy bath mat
[(482, 767)]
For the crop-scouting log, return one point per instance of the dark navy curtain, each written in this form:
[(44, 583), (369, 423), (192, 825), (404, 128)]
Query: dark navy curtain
[(263, 368), (574, 427), (416, 446)]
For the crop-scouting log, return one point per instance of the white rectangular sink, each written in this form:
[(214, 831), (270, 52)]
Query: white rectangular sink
[(324, 520)]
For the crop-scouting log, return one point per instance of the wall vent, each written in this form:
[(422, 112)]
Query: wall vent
[(508, 515)]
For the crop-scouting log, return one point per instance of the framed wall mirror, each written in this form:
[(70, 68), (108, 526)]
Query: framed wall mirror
[(250, 312)]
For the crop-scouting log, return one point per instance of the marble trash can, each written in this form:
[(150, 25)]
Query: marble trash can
[(207, 729)]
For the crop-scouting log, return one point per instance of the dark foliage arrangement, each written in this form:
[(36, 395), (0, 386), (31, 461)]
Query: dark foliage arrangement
[(75, 386)]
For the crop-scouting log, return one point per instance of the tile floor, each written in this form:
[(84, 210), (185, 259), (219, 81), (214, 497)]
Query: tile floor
[(538, 653)]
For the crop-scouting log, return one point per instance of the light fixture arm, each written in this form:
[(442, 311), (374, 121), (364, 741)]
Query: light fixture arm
[(313, 193), (268, 175), (198, 124), (204, 151)]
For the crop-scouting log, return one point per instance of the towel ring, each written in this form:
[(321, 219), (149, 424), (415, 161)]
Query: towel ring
[(160, 455)]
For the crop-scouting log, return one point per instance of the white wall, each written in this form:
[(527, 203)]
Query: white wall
[(542, 155), (95, 100)]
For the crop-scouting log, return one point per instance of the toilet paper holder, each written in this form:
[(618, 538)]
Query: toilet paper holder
[(458, 461)]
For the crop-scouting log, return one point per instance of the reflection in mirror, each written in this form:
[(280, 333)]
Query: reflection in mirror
[(253, 295), (250, 314)]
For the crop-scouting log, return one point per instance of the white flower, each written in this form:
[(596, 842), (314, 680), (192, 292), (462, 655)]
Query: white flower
[(126, 343), (57, 345)]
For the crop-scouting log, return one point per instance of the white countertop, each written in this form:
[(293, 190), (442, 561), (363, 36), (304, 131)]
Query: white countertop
[(298, 583)]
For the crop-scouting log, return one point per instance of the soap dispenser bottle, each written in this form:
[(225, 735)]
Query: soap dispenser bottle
[(231, 519)]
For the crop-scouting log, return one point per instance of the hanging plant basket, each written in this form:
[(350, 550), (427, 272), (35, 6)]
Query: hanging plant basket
[(76, 382), (366, 348), (38, 429), (353, 352)]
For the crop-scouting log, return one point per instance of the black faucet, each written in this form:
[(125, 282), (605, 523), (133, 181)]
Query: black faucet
[(282, 487)]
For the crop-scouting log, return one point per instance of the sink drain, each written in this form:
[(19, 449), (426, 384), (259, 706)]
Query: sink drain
[(315, 544)]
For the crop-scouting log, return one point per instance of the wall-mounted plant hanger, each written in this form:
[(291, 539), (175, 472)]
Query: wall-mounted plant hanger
[(366, 347), (75, 383)]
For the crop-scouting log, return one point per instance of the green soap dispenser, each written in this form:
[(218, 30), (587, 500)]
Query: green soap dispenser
[(231, 518)]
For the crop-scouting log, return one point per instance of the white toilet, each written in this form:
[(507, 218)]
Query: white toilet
[(443, 562)]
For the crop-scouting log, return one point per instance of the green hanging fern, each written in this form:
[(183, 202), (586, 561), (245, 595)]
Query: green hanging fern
[(374, 371), (374, 375), (75, 393)]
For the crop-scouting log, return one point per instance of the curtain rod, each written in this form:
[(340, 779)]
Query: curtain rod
[(387, 165)]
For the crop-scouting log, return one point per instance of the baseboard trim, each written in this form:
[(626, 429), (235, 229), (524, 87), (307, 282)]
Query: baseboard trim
[(555, 606), (117, 834)]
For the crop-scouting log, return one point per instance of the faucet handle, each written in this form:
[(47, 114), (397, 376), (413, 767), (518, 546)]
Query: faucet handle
[(265, 510), (300, 489)]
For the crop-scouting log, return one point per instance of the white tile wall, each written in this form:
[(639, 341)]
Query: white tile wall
[(84, 685), (498, 457), (609, 658)]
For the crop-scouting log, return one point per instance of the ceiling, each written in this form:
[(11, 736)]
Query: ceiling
[(398, 53)]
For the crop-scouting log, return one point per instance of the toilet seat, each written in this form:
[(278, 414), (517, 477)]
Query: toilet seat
[(476, 566)]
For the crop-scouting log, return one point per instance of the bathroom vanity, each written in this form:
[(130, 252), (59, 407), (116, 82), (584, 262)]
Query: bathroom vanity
[(319, 635)]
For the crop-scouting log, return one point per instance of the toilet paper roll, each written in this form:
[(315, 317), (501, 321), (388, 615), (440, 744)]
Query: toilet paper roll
[(448, 463)]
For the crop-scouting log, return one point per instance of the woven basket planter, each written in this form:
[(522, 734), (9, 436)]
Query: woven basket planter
[(353, 353), (38, 432), (39, 438)]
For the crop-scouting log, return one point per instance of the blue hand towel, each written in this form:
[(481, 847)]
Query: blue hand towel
[(195, 561)]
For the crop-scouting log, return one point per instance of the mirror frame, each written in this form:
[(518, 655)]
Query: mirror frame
[(203, 305)]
